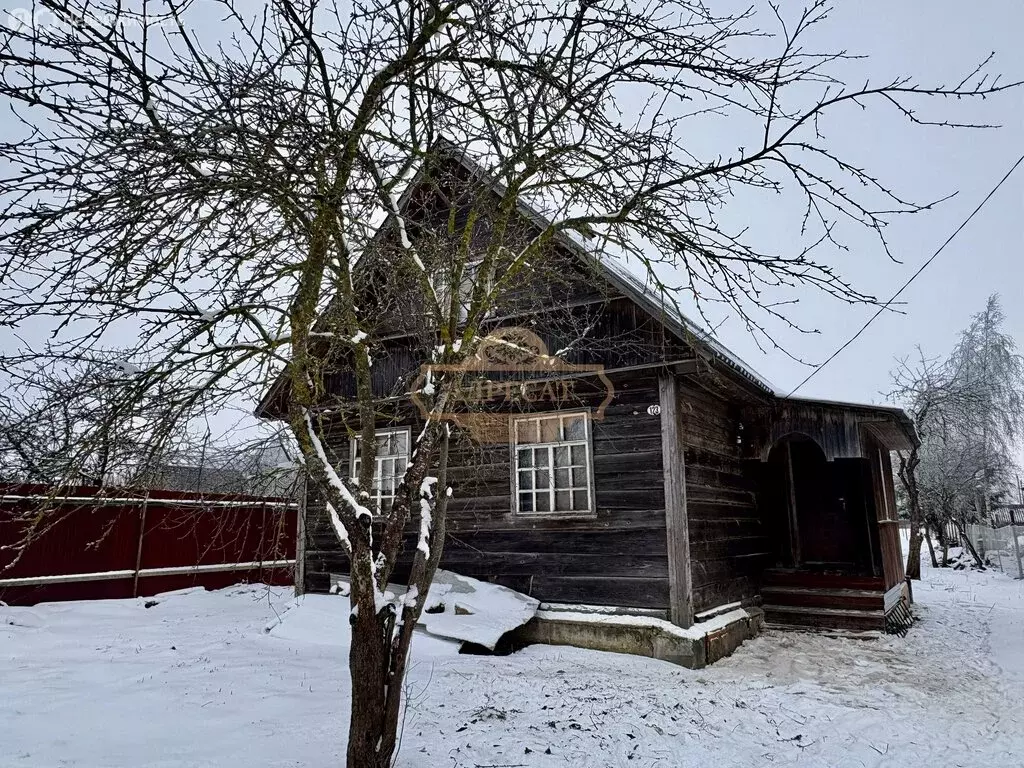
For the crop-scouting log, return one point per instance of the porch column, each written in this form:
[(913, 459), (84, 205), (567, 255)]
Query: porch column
[(676, 523), (791, 511)]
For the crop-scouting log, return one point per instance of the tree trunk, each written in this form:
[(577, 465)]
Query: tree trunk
[(969, 545), (908, 477), (366, 665), (914, 553), (381, 640), (931, 548), (421, 576)]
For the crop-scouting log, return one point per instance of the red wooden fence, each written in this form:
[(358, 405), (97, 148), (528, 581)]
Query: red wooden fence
[(85, 543)]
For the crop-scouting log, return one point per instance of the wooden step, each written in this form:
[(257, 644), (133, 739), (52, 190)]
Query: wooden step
[(856, 599), (828, 618), (811, 580)]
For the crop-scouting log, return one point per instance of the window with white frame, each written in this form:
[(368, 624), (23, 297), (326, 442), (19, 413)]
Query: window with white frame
[(552, 464), (391, 460), (470, 278)]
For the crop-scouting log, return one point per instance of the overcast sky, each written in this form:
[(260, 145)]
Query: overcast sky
[(937, 41)]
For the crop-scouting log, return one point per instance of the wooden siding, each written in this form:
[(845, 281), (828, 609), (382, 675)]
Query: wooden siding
[(618, 335), (728, 545), (836, 430), (884, 498), (616, 557)]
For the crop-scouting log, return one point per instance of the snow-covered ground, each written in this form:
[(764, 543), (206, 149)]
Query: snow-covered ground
[(196, 681)]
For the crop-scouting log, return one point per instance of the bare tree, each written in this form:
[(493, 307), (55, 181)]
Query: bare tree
[(928, 393), (968, 410), (989, 366), (207, 180), (82, 420), (950, 474)]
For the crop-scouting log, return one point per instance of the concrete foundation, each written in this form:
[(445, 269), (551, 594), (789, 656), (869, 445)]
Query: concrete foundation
[(696, 647)]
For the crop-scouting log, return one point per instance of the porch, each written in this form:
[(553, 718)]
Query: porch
[(826, 492)]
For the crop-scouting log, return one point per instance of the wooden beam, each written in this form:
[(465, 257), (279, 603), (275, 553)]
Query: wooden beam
[(794, 525), (687, 367), (676, 523)]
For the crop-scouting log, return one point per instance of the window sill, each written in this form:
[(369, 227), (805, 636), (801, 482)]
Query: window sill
[(533, 516)]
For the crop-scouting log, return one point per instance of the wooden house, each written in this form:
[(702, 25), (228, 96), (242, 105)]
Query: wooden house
[(669, 479)]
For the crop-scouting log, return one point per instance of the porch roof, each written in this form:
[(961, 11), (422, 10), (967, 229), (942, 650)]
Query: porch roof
[(903, 438), (837, 426)]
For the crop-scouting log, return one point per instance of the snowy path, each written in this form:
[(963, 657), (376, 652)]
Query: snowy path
[(196, 681), (1002, 599)]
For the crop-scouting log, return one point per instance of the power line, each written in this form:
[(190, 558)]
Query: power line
[(913, 277)]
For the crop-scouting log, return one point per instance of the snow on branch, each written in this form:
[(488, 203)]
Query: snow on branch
[(407, 244), (339, 528), (332, 477), (426, 520)]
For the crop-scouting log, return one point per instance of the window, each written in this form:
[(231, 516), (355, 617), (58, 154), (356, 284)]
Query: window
[(470, 278), (391, 460), (552, 464)]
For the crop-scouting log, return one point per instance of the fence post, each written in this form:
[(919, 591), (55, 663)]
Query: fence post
[(138, 550), (1017, 552), (300, 542)]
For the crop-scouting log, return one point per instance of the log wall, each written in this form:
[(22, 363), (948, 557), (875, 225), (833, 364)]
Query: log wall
[(728, 545), (616, 557)]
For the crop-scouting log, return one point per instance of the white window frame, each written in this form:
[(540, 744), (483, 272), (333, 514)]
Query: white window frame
[(550, 447), (470, 274), (399, 462)]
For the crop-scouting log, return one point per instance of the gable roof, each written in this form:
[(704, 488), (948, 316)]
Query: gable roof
[(654, 302)]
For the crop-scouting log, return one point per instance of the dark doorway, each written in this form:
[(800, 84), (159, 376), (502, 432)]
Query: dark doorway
[(825, 520), (822, 506)]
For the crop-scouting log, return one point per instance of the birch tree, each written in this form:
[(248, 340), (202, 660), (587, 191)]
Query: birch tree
[(968, 409), (928, 392), (206, 180), (989, 366)]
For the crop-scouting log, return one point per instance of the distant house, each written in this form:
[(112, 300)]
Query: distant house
[(185, 477), (653, 472)]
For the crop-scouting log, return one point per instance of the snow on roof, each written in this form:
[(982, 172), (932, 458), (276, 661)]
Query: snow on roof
[(846, 404)]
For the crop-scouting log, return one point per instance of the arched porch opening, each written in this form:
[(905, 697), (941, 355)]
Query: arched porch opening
[(821, 510)]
